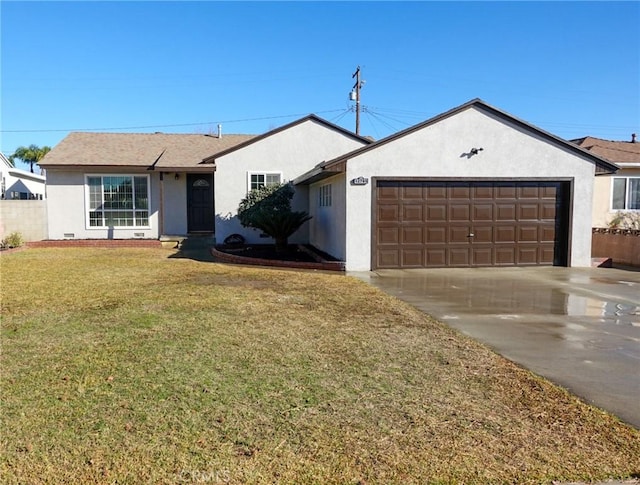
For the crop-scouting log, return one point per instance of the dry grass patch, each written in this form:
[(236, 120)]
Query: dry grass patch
[(128, 366)]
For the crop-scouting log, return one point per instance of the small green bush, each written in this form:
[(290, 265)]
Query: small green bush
[(13, 240)]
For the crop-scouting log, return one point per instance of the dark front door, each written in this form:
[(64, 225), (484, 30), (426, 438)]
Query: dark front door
[(200, 203)]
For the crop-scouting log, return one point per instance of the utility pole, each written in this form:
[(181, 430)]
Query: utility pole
[(355, 96)]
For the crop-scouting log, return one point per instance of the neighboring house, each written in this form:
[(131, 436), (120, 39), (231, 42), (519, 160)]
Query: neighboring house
[(19, 184), (619, 193), (121, 186), (471, 187)]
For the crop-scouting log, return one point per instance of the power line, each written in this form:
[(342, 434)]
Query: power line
[(339, 117), (380, 119), (167, 126)]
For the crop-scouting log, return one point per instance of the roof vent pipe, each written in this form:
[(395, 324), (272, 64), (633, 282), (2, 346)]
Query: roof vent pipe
[(219, 131), (633, 137)]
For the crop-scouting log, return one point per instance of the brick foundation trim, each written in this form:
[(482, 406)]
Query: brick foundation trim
[(96, 243), (235, 259)]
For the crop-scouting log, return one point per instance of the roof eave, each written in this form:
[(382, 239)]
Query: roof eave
[(315, 175), (196, 169), (95, 167), (16, 172)]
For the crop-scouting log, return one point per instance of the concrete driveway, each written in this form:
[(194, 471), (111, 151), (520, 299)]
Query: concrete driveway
[(578, 327)]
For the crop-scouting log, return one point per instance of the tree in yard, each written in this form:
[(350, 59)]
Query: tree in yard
[(31, 154), (269, 210)]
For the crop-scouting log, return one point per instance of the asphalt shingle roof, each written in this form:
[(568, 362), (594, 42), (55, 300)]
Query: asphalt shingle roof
[(614, 151), (160, 150)]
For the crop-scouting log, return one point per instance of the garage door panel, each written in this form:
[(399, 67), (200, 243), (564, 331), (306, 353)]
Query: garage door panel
[(435, 258), (412, 258), (436, 224), (547, 234), (482, 256), (388, 212), (459, 257), (505, 234), (548, 192), (482, 234), (547, 255), (388, 235), (388, 258), (459, 212), (506, 212), (548, 211), (460, 192), (505, 256), (528, 212), (436, 192), (436, 213), (412, 192), (412, 213), (527, 255), (483, 212), (435, 235), (505, 192), (411, 235), (528, 192), (528, 234), (459, 234), (388, 192), (482, 191)]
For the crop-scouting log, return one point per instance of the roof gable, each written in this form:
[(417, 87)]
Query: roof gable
[(602, 165), (311, 117)]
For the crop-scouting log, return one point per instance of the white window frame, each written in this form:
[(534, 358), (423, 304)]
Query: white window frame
[(324, 195), (265, 174), (87, 200), (626, 193)]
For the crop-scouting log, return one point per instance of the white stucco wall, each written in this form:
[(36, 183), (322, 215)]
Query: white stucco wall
[(438, 151), (603, 187), (291, 152), (175, 204), (327, 228), (67, 214)]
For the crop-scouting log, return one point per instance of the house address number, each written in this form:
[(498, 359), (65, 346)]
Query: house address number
[(359, 181)]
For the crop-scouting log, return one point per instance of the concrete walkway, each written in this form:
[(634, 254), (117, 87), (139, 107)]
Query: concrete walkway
[(578, 327)]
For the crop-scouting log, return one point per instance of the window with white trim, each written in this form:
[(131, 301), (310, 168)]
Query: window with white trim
[(258, 180), (324, 195), (117, 200), (625, 193)]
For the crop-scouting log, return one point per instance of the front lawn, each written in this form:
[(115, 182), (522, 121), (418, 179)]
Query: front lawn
[(128, 366)]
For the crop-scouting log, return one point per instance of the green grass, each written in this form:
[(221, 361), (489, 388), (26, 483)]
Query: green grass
[(128, 366)]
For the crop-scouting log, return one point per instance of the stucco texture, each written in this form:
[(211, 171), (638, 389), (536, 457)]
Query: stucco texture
[(441, 150), (290, 152)]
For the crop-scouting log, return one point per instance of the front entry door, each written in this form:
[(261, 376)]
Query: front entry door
[(200, 203)]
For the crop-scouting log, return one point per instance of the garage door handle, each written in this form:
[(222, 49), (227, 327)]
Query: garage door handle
[(471, 234)]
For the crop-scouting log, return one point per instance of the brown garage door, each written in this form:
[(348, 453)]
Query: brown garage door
[(421, 224)]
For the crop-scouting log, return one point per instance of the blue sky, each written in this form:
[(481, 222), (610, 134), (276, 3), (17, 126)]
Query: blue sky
[(571, 68)]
